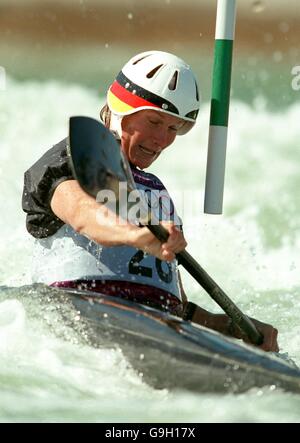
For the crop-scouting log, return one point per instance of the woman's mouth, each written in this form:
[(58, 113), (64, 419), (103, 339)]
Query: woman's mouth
[(147, 151)]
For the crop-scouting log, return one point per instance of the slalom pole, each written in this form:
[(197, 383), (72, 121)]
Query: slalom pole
[(217, 141)]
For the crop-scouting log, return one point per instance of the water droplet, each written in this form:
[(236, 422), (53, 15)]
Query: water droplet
[(258, 6), (284, 27)]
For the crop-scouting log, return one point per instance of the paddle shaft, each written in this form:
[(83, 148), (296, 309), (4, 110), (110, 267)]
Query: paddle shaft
[(211, 287)]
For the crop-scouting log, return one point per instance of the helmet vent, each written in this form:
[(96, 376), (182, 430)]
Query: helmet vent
[(197, 92), (173, 81), (154, 71), (140, 59)]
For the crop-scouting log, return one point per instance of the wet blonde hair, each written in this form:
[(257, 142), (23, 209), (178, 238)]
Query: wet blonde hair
[(105, 115)]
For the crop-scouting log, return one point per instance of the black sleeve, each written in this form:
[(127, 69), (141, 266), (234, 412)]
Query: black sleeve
[(40, 182)]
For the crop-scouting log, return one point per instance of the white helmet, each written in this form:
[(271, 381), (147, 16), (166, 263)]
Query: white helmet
[(156, 80)]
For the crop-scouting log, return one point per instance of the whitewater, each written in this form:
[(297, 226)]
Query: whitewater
[(49, 371)]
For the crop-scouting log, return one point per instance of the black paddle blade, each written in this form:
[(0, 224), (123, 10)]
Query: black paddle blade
[(97, 161)]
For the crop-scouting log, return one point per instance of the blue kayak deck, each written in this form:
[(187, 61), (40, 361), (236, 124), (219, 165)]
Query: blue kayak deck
[(175, 354)]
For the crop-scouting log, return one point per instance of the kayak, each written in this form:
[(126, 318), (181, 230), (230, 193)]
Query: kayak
[(168, 352)]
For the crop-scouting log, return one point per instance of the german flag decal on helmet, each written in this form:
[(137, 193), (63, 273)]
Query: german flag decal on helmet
[(124, 96)]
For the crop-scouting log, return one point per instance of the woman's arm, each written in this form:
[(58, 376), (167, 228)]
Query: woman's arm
[(95, 221)]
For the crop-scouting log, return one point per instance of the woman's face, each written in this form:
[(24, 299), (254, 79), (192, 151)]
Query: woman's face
[(145, 134)]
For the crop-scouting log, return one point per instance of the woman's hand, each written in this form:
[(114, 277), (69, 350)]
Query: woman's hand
[(147, 242), (270, 336), (224, 324)]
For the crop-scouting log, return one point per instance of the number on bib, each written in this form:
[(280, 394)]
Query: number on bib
[(135, 268)]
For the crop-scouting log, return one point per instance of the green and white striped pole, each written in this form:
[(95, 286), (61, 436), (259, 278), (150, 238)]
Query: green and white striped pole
[(217, 142)]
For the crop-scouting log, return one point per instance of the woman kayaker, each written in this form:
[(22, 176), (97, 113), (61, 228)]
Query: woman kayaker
[(154, 98)]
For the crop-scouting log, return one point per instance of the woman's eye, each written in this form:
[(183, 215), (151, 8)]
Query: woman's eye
[(156, 123)]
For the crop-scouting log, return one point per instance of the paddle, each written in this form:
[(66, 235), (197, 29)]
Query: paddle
[(98, 163)]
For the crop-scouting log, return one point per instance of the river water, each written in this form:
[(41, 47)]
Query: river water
[(48, 372)]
